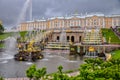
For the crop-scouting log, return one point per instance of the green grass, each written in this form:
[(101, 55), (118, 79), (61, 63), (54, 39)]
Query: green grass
[(108, 33), (5, 35), (22, 34), (119, 29), (2, 45), (116, 54)]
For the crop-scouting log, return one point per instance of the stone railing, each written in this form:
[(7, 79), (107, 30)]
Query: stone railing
[(116, 31)]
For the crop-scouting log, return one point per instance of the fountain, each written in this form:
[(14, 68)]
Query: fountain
[(10, 42), (30, 53), (62, 44), (27, 48), (25, 52), (92, 40), (63, 39), (10, 49)]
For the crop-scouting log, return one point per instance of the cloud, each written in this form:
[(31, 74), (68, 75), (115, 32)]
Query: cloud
[(51, 12), (10, 9)]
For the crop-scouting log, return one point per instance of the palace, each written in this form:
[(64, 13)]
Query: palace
[(88, 20)]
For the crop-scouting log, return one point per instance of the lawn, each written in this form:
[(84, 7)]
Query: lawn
[(108, 33), (5, 35), (116, 54), (23, 33), (1, 45)]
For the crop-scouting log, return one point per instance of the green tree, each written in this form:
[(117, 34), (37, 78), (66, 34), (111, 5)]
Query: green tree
[(60, 75), (1, 78), (60, 69), (1, 28), (31, 71), (37, 75), (42, 72)]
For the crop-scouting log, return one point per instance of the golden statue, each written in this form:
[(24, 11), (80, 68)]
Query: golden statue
[(30, 46), (109, 39), (91, 49), (92, 31)]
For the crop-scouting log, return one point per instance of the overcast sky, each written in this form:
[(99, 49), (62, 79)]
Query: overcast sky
[(10, 9)]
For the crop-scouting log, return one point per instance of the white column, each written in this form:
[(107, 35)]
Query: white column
[(39, 26), (59, 24), (112, 22), (70, 22), (117, 21), (43, 25), (103, 23), (63, 24), (33, 25), (78, 22), (99, 23), (86, 22), (50, 25)]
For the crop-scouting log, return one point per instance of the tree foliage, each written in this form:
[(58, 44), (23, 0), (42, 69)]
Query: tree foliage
[(97, 69), (33, 73), (1, 78), (1, 28), (93, 69), (30, 71)]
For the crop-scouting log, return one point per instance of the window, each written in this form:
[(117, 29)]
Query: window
[(57, 38), (72, 38), (80, 39), (68, 38)]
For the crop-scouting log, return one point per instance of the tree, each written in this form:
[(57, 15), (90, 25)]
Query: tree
[(1, 78), (60, 69), (43, 72), (40, 73), (1, 28), (31, 71), (93, 69), (37, 75), (60, 76)]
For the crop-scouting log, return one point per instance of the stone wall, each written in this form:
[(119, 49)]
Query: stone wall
[(73, 36)]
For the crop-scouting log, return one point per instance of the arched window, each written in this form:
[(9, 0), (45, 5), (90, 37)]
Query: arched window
[(72, 38), (57, 38), (68, 38)]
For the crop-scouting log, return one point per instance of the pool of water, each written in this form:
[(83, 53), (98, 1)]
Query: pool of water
[(10, 68)]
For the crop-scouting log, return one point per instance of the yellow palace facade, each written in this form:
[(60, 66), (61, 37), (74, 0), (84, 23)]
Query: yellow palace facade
[(87, 20)]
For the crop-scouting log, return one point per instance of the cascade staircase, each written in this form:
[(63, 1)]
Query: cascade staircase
[(92, 37)]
